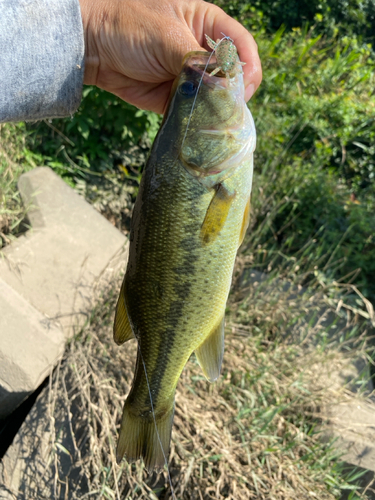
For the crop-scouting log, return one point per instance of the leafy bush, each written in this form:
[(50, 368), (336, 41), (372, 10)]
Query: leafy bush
[(103, 134), (348, 17), (315, 117), (317, 101)]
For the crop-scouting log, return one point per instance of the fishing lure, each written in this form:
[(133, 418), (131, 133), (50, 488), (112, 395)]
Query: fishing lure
[(226, 56)]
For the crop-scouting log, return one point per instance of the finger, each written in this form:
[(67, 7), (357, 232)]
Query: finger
[(216, 22), (149, 96)]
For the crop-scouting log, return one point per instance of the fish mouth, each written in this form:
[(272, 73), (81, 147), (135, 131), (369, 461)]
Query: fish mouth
[(201, 64)]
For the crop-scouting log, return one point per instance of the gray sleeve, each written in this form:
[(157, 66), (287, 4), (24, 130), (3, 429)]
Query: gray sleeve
[(41, 59)]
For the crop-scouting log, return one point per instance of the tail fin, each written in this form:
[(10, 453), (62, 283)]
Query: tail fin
[(140, 438)]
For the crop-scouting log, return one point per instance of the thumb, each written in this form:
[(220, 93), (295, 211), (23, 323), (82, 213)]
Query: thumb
[(180, 44)]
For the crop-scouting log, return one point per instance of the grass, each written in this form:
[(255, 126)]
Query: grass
[(255, 434), (12, 211)]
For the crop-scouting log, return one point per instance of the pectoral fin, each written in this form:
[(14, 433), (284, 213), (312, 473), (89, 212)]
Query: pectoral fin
[(122, 330), (210, 353), (245, 223), (216, 214)]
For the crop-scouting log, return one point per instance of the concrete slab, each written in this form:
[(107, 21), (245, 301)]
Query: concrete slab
[(46, 456), (352, 424), (43, 461), (47, 281), (30, 346), (322, 324), (55, 265)]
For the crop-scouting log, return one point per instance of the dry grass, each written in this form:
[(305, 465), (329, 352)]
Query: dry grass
[(252, 435)]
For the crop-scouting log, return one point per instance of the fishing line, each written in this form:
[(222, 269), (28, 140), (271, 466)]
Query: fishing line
[(199, 86), (195, 99), (156, 427), (152, 404)]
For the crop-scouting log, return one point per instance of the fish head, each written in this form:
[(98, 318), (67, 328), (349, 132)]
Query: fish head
[(209, 116)]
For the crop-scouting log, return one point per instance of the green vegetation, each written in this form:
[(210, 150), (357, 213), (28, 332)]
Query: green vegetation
[(313, 224), (354, 18), (314, 197), (14, 160), (105, 133)]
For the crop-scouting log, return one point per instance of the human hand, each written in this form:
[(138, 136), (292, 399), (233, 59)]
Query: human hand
[(134, 48)]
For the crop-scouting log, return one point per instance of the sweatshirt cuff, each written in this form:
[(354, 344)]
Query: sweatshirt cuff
[(41, 59)]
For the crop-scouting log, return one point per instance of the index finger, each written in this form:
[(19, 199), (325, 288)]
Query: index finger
[(217, 22)]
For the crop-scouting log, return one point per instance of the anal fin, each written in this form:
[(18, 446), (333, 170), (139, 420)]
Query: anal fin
[(210, 353), (245, 223), (122, 330), (216, 214)]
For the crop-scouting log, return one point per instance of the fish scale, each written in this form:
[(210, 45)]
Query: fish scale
[(188, 221)]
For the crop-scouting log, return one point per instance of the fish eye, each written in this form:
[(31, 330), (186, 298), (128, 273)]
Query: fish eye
[(188, 89)]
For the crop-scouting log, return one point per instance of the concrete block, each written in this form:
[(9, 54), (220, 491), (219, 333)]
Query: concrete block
[(47, 283), (30, 346), (55, 265), (319, 319), (43, 461), (352, 424)]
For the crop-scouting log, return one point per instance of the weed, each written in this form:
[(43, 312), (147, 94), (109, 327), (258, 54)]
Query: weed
[(12, 212)]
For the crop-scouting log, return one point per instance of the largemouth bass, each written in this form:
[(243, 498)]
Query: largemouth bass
[(189, 219)]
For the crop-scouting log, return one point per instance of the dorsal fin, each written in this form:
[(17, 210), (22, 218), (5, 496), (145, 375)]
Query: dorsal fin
[(210, 352)]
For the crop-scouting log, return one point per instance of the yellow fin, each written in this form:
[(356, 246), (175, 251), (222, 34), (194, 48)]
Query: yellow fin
[(139, 438), (210, 353), (122, 331), (216, 215), (245, 223)]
